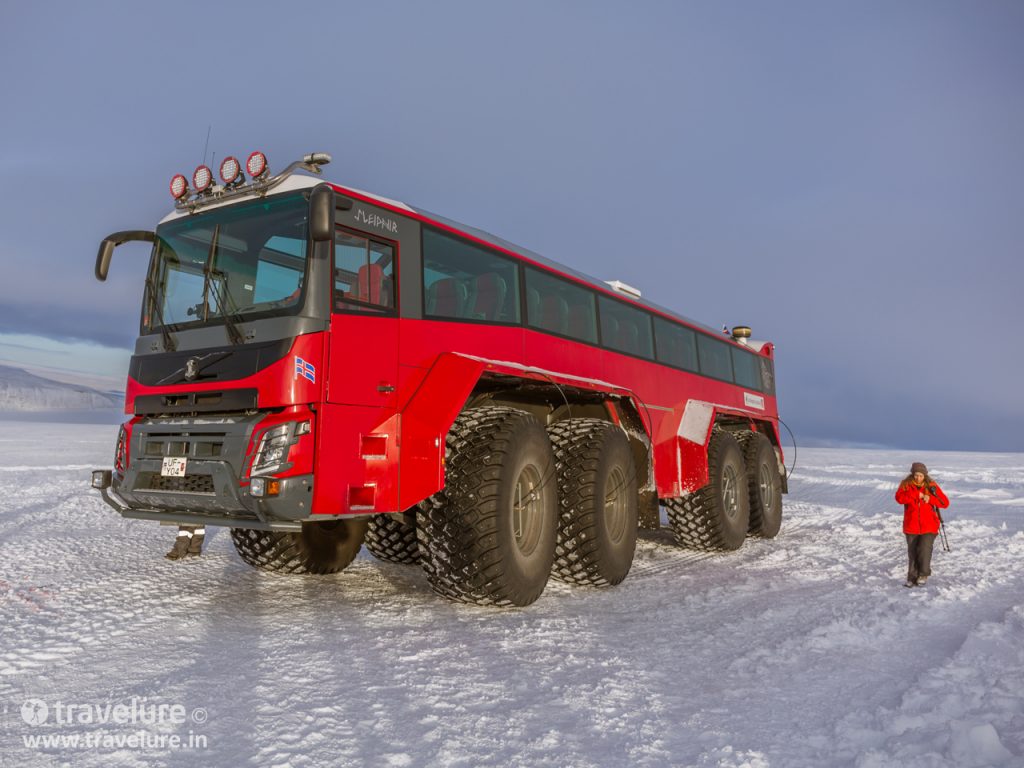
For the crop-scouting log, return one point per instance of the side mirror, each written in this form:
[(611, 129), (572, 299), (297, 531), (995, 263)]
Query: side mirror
[(321, 214), (110, 242)]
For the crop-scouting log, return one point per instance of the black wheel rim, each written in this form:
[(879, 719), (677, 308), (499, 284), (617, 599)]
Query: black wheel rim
[(527, 510), (766, 487), (616, 505), (730, 492)]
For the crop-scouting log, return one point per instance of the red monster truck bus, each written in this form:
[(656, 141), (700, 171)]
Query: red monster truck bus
[(319, 367)]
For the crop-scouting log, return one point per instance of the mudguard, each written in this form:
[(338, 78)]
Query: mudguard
[(431, 410)]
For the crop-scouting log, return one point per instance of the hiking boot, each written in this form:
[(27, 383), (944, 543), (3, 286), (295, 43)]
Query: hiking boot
[(180, 548), (910, 583), (922, 581), (195, 544)]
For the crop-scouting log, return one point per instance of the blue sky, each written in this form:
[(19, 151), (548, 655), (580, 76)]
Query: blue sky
[(846, 178)]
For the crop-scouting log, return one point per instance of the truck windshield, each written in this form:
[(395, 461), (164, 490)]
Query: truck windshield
[(243, 261)]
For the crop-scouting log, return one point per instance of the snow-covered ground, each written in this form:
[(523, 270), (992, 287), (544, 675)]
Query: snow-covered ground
[(802, 651)]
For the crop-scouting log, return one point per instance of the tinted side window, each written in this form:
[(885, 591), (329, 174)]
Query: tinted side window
[(767, 376), (560, 306), (465, 282), (747, 368), (625, 328), (676, 345), (364, 274), (715, 359)]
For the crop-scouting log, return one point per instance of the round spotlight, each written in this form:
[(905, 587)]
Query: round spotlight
[(179, 187), (256, 164), (230, 170), (202, 178)]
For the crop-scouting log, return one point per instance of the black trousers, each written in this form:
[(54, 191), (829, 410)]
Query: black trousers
[(919, 553)]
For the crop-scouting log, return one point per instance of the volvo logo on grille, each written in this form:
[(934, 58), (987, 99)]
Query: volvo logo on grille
[(191, 368)]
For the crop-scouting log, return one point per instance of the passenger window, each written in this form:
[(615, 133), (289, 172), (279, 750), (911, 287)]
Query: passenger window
[(748, 372), (625, 328), (560, 307), (715, 357), (364, 274), (465, 282), (677, 346), (767, 376)]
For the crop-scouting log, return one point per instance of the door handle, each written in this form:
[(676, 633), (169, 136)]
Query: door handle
[(385, 388)]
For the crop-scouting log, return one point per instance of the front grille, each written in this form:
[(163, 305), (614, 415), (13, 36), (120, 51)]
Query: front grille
[(200, 446), (151, 481)]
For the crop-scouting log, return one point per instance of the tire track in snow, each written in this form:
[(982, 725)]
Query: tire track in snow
[(657, 553)]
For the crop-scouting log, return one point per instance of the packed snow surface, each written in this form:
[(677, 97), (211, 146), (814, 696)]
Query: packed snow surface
[(801, 651)]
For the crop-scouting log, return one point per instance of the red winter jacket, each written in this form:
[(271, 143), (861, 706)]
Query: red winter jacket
[(920, 516)]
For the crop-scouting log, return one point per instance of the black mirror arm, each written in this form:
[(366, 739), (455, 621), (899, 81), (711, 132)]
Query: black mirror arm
[(110, 242)]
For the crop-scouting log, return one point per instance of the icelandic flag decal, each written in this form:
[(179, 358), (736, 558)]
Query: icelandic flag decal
[(305, 369)]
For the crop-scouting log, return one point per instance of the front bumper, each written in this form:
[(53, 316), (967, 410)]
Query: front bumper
[(213, 491), (262, 517)]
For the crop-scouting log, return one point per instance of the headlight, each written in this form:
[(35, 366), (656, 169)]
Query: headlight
[(272, 453)]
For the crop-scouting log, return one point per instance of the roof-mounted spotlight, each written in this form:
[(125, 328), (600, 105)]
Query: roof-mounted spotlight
[(202, 179), (256, 165), (179, 187), (231, 171)]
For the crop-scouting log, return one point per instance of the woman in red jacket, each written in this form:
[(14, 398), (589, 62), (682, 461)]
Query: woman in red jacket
[(921, 498)]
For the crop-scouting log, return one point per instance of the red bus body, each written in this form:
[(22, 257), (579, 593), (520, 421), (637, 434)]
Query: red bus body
[(380, 393)]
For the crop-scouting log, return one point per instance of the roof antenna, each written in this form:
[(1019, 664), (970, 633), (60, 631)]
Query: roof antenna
[(206, 147)]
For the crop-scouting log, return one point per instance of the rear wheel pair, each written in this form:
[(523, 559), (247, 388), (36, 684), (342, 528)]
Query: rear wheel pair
[(521, 503), (743, 495)]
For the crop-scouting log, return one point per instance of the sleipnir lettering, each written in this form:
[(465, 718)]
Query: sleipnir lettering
[(376, 221)]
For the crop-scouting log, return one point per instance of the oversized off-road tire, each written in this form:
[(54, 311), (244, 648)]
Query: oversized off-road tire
[(598, 502), (489, 536), (391, 539), (765, 486), (717, 516), (326, 547)]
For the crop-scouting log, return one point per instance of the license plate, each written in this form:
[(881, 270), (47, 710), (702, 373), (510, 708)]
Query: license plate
[(173, 466)]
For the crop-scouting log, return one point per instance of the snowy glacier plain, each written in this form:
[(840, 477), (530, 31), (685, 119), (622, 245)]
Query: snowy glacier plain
[(802, 651)]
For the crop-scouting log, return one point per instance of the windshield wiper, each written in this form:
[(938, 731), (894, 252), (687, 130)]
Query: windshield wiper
[(208, 272), (229, 319)]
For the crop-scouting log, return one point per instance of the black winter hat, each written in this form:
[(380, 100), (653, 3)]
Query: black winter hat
[(916, 467)]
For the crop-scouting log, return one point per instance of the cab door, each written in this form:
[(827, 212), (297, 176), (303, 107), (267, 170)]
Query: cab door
[(364, 321)]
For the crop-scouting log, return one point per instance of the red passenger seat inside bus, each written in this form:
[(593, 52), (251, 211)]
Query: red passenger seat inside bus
[(370, 285), (488, 297), (446, 298)]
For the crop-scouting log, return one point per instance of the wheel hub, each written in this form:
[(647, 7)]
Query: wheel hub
[(730, 489), (766, 487), (527, 510), (616, 505)]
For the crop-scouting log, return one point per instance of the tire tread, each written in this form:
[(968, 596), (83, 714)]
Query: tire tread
[(456, 527)]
